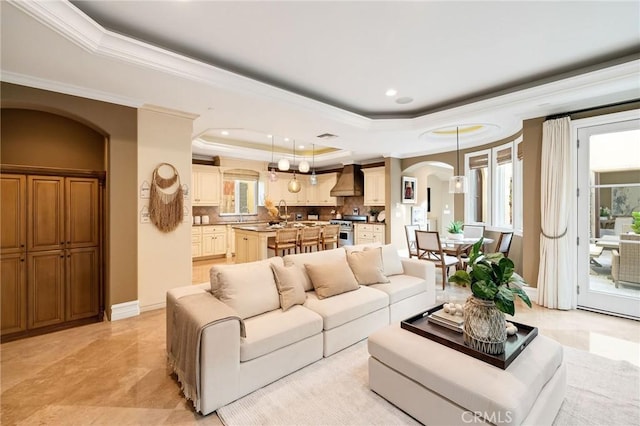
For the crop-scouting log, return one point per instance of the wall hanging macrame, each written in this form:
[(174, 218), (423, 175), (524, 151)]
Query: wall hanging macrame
[(166, 199)]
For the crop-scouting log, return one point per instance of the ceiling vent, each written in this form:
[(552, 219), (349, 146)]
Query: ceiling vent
[(327, 136)]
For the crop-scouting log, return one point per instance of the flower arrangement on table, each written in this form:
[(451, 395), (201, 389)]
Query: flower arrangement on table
[(272, 210), (605, 212)]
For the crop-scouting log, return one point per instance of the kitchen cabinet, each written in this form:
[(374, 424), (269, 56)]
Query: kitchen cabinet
[(320, 194), (248, 246), (369, 233), (309, 195), (208, 240), (231, 241), (214, 240), (205, 185), (196, 242), (50, 251), (279, 190), (374, 186)]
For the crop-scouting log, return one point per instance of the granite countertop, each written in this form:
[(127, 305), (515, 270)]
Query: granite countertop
[(252, 222), (266, 228)]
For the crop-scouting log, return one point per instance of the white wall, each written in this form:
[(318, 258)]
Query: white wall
[(164, 259)]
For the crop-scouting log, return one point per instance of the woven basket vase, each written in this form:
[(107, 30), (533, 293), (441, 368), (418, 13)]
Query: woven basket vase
[(484, 326)]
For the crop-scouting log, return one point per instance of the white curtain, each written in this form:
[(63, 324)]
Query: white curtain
[(555, 276)]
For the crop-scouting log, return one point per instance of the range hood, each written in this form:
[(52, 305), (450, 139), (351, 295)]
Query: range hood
[(350, 183)]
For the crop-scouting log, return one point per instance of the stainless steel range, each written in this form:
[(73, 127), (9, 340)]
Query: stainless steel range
[(345, 236)]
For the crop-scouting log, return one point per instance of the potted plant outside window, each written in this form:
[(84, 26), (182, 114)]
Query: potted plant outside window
[(605, 213), (455, 230), (635, 226), (494, 287)]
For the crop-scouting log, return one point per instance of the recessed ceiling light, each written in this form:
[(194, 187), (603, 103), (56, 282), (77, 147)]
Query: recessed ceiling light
[(269, 136), (391, 92), (300, 146), (286, 139), (404, 100), (225, 133)]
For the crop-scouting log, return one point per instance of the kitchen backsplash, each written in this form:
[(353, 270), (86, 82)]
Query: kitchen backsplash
[(325, 213)]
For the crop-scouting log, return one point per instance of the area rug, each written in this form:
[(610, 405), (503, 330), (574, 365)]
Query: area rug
[(335, 391)]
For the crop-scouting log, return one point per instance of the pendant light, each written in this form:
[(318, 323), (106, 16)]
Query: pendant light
[(272, 173), (313, 180), (458, 183), (303, 167), (294, 185), (283, 164)]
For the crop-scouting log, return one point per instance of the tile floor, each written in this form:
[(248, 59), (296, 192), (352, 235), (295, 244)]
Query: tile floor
[(115, 372)]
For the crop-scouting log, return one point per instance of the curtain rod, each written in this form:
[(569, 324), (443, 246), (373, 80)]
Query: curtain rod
[(570, 113)]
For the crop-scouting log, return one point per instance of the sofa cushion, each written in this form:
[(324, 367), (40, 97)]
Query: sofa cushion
[(346, 307), (367, 266), (249, 289), (311, 258), (331, 278), (289, 281), (391, 262), (361, 247), (215, 270), (401, 287), (277, 329)]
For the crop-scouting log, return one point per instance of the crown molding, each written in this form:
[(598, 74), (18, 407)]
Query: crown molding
[(68, 89), (68, 21)]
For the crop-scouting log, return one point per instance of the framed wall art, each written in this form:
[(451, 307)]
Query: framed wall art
[(409, 189)]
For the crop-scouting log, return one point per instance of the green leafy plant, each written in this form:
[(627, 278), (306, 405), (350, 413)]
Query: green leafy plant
[(604, 211), (373, 212), (492, 277), (636, 222), (455, 227)]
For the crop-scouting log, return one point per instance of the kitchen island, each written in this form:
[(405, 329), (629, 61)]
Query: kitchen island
[(252, 240)]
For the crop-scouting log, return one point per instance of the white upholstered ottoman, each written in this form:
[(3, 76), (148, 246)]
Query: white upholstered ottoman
[(438, 385)]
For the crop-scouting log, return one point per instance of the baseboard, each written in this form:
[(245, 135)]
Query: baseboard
[(125, 310), (153, 307), (532, 292)]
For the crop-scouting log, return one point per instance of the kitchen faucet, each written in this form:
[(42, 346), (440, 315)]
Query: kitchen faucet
[(286, 210), (244, 209)]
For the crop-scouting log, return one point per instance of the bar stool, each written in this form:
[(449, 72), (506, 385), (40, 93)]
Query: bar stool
[(309, 237), (285, 239), (329, 236)]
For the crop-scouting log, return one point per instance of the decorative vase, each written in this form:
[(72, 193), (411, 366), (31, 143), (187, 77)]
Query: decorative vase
[(484, 326), (456, 236)]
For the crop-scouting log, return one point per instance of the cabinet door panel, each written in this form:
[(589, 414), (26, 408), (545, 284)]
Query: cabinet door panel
[(14, 293), (82, 283), (45, 212), (45, 278), (13, 234), (82, 216)]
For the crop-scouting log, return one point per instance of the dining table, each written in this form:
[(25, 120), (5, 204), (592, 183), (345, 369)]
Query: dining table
[(458, 247)]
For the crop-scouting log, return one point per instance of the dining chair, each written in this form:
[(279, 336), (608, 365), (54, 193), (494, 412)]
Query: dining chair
[(309, 237), (504, 243), (285, 239), (473, 231), (429, 247), (329, 235), (470, 231), (410, 231)]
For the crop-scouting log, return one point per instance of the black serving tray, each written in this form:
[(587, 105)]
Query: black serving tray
[(420, 325)]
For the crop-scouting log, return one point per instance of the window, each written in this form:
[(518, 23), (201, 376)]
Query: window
[(239, 192), (502, 166), (495, 186), (479, 176)]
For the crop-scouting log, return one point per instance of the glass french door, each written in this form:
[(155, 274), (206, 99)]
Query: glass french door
[(608, 157)]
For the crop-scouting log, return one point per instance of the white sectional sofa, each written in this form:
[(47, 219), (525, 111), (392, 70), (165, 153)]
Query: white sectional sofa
[(257, 322)]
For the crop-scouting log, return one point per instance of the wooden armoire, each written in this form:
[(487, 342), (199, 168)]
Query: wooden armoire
[(50, 258)]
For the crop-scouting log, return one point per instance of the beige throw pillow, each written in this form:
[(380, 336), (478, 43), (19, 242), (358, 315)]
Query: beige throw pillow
[(289, 280), (367, 266), (332, 278), (250, 290), (391, 263)]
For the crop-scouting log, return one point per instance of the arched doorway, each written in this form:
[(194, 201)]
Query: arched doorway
[(53, 186)]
